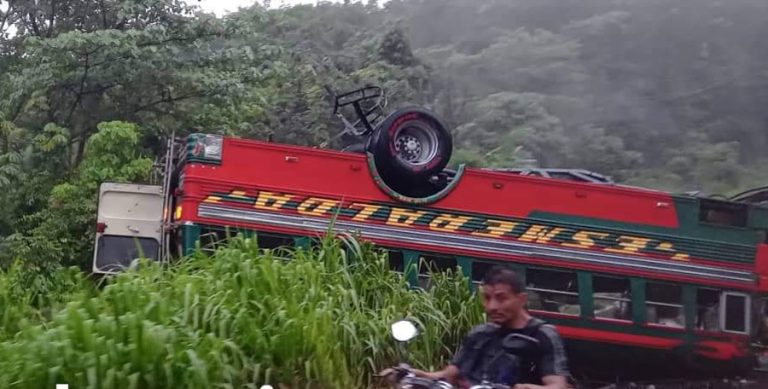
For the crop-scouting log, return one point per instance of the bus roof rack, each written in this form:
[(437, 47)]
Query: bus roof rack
[(580, 175), (757, 195)]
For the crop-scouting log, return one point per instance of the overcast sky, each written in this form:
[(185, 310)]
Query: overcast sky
[(222, 6)]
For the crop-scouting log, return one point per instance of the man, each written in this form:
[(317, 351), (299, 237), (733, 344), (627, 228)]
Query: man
[(482, 356)]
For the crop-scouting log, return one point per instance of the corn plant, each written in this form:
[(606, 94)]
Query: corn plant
[(239, 316)]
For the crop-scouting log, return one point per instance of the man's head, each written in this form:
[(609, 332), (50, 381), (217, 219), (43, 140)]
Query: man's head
[(504, 296)]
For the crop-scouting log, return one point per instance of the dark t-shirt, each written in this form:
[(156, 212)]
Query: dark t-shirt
[(482, 356)]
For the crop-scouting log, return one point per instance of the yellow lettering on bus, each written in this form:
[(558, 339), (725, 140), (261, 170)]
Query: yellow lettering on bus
[(366, 211), (584, 239), (238, 194), (271, 201), (496, 228), (403, 217), (448, 223), (319, 206), (540, 234), (629, 244), (212, 199), (670, 248)]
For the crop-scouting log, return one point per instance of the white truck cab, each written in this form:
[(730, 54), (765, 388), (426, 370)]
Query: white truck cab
[(129, 226)]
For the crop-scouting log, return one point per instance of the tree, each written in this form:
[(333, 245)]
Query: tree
[(62, 233), (593, 148), (509, 124), (146, 61)]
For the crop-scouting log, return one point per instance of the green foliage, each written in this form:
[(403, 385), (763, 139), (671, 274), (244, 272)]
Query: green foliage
[(11, 153), (516, 128), (145, 61), (394, 48), (63, 231), (31, 293), (633, 84), (111, 154), (593, 149), (240, 317)]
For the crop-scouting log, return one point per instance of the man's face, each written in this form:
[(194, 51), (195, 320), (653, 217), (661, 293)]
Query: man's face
[(501, 304)]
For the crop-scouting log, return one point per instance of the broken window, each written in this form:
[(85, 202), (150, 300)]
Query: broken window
[(480, 269), (273, 241), (762, 323), (396, 261), (723, 213), (736, 313), (553, 291), (612, 297), (664, 304), (431, 264), (707, 309), (212, 238)]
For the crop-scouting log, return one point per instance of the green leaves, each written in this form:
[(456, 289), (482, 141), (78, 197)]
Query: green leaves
[(63, 231), (239, 317), (80, 68), (516, 129), (52, 138), (148, 62)]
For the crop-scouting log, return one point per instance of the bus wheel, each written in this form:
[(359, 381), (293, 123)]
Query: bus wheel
[(411, 143)]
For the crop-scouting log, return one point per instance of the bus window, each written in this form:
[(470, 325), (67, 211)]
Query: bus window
[(762, 323), (433, 264), (734, 314), (553, 291), (664, 304), (707, 309), (612, 297), (479, 270), (213, 238), (396, 261), (273, 241)]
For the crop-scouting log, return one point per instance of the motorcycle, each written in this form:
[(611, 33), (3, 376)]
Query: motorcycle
[(404, 330)]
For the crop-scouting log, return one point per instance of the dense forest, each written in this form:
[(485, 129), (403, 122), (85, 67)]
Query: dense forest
[(658, 93)]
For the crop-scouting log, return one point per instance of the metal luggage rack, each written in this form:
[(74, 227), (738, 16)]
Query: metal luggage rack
[(580, 175)]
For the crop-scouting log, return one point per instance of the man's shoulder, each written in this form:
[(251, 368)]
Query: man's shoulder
[(482, 331), (536, 325), (548, 330), (545, 332)]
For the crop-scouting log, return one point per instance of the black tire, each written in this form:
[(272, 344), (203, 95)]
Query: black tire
[(411, 143)]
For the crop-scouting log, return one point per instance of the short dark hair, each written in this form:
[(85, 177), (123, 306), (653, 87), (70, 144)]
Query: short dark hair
[(504, 275)]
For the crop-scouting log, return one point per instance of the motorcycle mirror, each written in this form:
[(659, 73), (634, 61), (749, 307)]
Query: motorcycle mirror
[(404, 330), (518, 342)]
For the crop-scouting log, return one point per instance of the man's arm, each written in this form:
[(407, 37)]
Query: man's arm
[(550, 382), (450, 374), (553, 365)]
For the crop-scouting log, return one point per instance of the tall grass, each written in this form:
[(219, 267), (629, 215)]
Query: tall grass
[(238, 317)]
